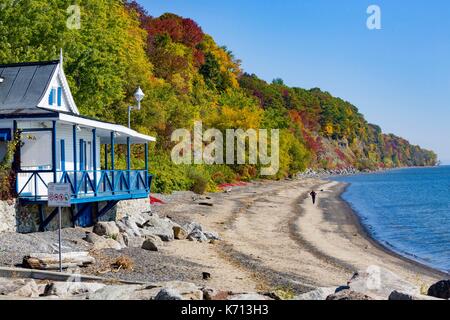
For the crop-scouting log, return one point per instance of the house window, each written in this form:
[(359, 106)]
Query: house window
[(52, 97), (59, 96)]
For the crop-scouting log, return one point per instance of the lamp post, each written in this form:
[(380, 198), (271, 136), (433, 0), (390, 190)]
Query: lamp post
[(138, 95)]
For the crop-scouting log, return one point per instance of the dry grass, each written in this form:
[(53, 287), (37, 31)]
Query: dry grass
[(124, 262)]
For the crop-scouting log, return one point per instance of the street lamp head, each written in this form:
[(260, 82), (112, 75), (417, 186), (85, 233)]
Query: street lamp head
[(139, 95)]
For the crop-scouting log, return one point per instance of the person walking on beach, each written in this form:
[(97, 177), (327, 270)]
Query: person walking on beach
[(313, 195)]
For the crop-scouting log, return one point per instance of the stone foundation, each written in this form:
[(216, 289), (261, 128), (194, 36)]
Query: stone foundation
[(8, 216), (124, 208)]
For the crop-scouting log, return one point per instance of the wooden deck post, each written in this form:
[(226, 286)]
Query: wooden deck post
[(94, 158), (53, 152), (112, 161), (146, 165), (75, 180), (129, 164)]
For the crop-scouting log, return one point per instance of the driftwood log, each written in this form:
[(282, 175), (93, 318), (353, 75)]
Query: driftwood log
[(45, 261)]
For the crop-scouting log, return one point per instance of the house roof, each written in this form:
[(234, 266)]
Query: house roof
[(24, 85)]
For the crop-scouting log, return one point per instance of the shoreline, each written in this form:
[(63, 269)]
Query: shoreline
[(363, 231)]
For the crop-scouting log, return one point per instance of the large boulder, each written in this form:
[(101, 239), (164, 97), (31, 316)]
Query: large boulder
[(108, 229), (379, 283), (440, 289), (151, 243), (348, 295), (67, 289), (26, 288), (317, 294), (162, 228)]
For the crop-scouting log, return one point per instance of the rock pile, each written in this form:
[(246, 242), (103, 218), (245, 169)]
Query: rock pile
[(147, 231)]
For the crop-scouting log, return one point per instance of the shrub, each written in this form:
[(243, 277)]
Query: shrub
[(200, 180)]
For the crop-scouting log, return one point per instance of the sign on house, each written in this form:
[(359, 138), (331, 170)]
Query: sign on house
[(59, 194)]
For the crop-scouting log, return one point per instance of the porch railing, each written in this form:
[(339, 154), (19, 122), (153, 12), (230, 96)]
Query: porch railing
[(85, 183)]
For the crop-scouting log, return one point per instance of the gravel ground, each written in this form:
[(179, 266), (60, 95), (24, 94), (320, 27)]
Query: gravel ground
[(148, 266), (14, 246)]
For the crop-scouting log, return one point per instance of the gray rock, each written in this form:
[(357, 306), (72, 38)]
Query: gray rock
[(440, 289), (128, 226), (19, 288), (115, 292), (159, 227), (108, 229), (168, 294), (317, 294), (133, 241), (379, 283), (193, 226), (66, 289), (211, 235), (249, 296), (188, 291), (396, 295), (197, 235), (152, 243), (107, 243), (100, 243), (348, 295)]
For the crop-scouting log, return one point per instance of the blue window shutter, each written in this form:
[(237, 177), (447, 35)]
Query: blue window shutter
[(63, 155), (50, 97), (59, 96)]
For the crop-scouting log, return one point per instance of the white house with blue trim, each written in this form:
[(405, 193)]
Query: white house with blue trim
[(57, 144)]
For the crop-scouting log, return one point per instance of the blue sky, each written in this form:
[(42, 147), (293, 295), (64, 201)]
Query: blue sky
[(398, 77)]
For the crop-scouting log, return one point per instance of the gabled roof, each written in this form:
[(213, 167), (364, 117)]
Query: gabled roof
[(24, 86)]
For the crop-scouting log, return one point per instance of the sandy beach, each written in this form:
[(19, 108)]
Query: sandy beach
[(274, 237)]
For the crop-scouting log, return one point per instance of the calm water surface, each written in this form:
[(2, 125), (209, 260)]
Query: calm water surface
[(407, 210)]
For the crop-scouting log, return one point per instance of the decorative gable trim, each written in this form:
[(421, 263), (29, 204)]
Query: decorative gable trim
[(59, 75)]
